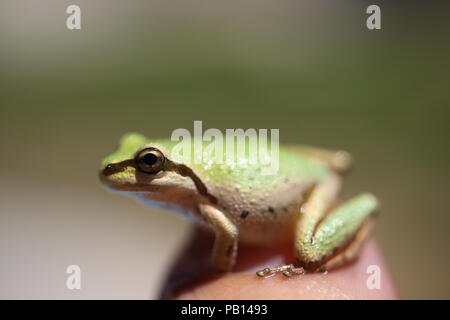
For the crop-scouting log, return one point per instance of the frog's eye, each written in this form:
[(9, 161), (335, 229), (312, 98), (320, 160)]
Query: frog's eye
[(150, 160)]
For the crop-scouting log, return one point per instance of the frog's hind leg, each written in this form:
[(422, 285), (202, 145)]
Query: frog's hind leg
[(350, 252), (325, 241), (339, 160), (338, 237), (310, 214)]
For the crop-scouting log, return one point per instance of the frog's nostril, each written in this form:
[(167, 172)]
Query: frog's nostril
[(108, 170)]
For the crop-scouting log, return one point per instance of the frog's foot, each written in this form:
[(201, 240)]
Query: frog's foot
[(288, 270)]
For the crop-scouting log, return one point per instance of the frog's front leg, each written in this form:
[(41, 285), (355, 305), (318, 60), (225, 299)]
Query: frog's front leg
[(225, 245), (327, 239)]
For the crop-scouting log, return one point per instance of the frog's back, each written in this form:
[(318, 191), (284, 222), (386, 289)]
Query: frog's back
[(287, 165)]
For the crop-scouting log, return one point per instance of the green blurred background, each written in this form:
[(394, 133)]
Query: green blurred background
[(309, 68)]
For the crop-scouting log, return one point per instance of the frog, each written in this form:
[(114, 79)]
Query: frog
[(298, 204)]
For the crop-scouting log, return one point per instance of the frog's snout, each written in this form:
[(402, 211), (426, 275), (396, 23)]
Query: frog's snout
[(106, 174), (108, 170), (118, 175), (113, 168)]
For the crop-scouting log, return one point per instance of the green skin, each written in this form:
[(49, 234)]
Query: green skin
[(297, 203)]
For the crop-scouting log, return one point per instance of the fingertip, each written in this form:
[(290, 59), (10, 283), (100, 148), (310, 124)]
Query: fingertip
[(366, 278)]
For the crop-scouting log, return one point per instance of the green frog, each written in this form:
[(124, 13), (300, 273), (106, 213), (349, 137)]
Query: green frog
[(298, 203)]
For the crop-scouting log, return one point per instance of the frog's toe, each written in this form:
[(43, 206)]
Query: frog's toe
[(288, 270)]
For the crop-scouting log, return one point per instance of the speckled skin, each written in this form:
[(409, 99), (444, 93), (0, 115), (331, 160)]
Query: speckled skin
[(264, 208)]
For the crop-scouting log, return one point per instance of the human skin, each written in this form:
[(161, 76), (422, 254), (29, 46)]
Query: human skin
[(189, 277)]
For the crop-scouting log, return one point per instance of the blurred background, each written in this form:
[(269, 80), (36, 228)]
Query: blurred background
[(310, 68)]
